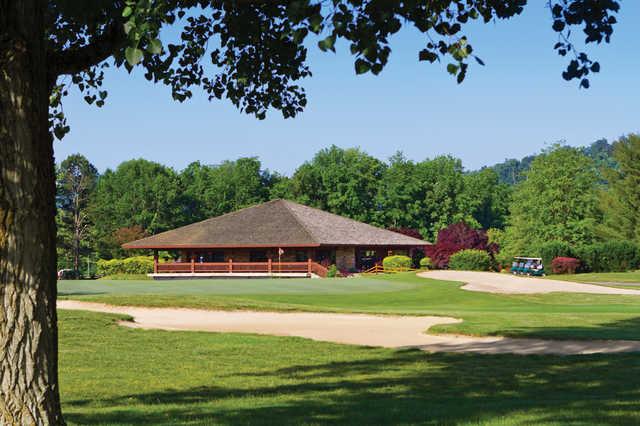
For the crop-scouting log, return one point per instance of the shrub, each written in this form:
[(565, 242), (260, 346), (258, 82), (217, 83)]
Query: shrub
[(552, 249), (470, 260), (497, 244), (454, 238), (425, 263), (396, 262), (129, 265), (119, 277), (611, 256), (332, 271), (565, 265)]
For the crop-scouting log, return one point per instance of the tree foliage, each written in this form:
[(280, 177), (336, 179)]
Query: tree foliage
[(341, 181), (137, 193), (210, 191), (621, 203), (427, 195), (514, 171), (486, 198), (257, 50), (557, 201)]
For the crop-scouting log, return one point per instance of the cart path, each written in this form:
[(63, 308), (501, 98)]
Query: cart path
[(493, 282), (357, 329)]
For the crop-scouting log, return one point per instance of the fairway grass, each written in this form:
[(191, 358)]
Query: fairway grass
[(555, 316), (116, 375), (603, 277)]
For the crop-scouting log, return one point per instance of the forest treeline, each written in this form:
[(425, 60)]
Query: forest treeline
[(573, 195)]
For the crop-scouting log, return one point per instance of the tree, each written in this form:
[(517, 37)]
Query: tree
[(258, 53), (428, 195), (76, 181), (621, 202), (229, 186), (342, 181), (487, 198), (137, 193), (514, 171), (557, 201)]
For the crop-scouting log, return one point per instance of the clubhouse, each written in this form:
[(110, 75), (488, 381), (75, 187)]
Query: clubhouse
[(276, 238)]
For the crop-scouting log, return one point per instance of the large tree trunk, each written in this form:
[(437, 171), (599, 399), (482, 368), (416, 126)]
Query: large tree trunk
[(29, 391)]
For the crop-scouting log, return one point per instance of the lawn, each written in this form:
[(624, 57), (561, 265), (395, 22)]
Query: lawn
[(115, 375), (560, 315), (617, 279)]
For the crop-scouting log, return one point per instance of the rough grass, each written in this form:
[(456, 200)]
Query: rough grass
[(556, 315), (115, 375)]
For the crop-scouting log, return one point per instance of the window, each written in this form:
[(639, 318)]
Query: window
[(301, 256), (217, 256), (258, 256), (325, 257)]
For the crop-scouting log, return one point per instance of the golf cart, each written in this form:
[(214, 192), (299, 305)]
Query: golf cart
[(530, 266)]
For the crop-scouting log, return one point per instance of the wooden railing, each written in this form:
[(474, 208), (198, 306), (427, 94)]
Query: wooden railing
[(379, 269), (319, 270), (230, 266)]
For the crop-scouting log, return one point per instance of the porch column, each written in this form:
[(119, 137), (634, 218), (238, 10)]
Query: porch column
[(155, 261), (309, 265), (269, 265), (193, 264), (230, 265)]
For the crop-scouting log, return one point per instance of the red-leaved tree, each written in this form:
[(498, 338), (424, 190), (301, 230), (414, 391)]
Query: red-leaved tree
[(454, 238)]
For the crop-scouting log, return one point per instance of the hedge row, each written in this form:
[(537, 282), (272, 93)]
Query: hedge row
[(470, 260), (130, 265), (611, 256)]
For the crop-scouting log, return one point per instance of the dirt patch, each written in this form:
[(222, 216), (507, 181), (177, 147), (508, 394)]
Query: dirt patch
[(356, 329)]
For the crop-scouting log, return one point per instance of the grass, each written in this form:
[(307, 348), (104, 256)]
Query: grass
[(115, 375), (602, 277), (555, 316)]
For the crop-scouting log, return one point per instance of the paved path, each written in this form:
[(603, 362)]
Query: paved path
[(492, 282), (357, 329)]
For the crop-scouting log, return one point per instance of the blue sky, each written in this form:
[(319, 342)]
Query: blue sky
[(515, 105)]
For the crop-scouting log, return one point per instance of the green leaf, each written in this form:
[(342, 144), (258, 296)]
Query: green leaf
[(315, 22), (127, 12), (362, 66), (155, 47), (128, 26), (327, 44), (427, 55), (133, 55), (452, 69)]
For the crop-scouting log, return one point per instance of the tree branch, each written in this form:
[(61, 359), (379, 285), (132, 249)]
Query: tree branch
[(76, 60)]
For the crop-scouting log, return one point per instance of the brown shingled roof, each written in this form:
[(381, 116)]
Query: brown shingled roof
[(277, 223)]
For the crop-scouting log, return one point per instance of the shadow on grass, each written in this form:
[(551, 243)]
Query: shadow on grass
[(62, 294), (624, 329), (405, 387)]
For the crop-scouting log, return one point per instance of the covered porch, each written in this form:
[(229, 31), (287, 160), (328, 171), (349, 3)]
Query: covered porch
[(294, 262)]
